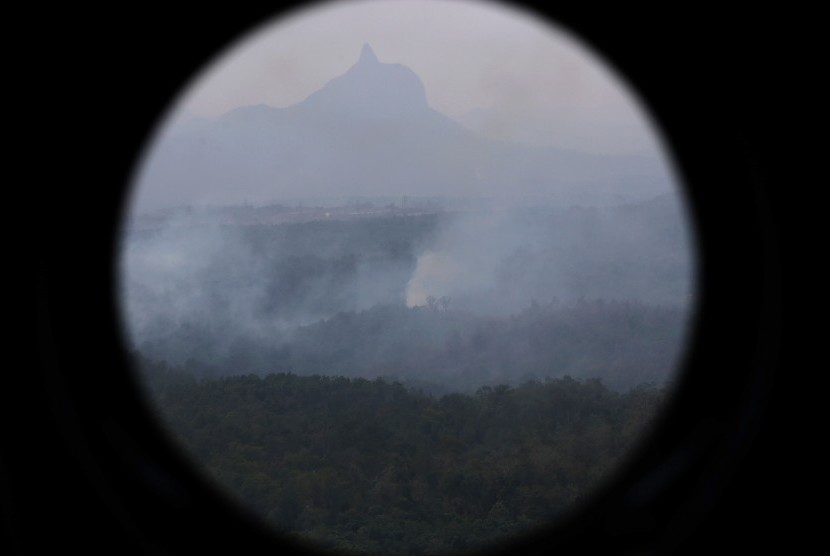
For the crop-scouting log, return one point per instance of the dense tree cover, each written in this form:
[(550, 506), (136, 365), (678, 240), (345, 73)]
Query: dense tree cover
[(623, 343), (443, 350), (285, 359), (371, 466)]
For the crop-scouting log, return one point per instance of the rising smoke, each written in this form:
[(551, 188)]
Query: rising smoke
[(193, 288)]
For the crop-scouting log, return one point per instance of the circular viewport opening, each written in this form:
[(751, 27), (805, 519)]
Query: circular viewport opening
[(407, 277)]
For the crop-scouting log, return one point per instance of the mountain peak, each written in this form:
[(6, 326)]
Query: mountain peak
[(367, 55), (371, 89)]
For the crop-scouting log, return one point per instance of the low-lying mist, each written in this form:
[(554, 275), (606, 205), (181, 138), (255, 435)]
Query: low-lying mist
[(500, 261), (445, 297)]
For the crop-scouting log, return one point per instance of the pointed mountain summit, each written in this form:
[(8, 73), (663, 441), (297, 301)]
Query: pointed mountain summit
[(368, 132), (370, 90), (367, 55)]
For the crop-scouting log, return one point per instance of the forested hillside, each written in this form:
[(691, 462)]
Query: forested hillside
[(371, 466), (409, 383), (440, 350)]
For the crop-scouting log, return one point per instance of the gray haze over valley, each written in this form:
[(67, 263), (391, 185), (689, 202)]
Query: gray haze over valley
[(361, 232)]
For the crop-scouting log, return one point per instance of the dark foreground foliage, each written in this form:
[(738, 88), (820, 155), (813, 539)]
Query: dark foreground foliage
[(370, 466)]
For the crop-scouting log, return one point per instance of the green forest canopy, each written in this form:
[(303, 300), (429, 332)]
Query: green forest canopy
[(373, 467)]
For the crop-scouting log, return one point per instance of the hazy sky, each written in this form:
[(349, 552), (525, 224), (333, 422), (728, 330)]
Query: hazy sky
[(520, 78)]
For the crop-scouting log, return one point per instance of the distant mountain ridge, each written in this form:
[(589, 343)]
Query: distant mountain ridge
[(371, 132), (356, 91)]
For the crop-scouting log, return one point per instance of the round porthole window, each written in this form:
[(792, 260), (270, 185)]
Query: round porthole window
[(407, 277)]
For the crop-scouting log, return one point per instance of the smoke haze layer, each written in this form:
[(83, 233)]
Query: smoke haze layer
[(211, 293), (252, 234)]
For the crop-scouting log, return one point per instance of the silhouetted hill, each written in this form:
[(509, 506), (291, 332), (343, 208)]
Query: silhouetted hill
[(372, 132)]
